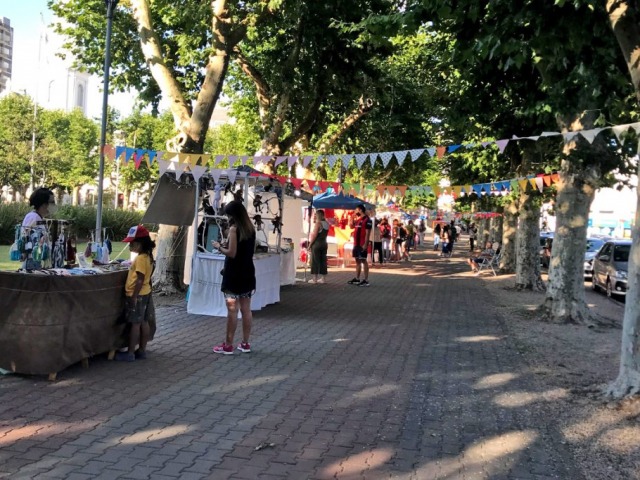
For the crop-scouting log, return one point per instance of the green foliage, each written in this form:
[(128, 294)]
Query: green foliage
[(11, 214), (117, 222)]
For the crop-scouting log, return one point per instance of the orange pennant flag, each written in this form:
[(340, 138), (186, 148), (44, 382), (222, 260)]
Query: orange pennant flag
[(547, 180), (440, 151), (555, 178)]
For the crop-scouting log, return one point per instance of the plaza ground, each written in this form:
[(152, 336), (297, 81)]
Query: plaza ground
[(430, 373)]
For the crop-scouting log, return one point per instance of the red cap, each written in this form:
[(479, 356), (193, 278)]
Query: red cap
[(136, 232)]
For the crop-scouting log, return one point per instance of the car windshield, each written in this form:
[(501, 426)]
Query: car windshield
[(621, 253), (593, 245)]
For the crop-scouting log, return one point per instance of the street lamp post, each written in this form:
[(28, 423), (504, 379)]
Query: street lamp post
[(111, 6), (119, 140)]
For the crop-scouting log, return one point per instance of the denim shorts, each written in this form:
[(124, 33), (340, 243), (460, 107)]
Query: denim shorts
[(228, 294)]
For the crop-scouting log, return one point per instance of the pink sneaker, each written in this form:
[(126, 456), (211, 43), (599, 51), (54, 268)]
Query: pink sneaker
[(224, 349), (244, 347)]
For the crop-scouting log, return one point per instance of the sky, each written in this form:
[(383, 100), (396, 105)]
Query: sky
[(26, 19)]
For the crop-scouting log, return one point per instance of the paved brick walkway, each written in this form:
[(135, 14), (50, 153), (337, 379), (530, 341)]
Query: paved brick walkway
[(412, 378)]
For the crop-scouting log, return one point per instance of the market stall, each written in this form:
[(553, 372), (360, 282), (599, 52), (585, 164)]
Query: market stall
[(274, 260), (50, 322)]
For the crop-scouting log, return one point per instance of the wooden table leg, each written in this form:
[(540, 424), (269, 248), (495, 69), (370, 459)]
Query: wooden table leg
[(52, 377), (112, 355)]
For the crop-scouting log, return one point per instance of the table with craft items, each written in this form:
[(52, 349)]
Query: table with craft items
[(50, 322), (205, 297)]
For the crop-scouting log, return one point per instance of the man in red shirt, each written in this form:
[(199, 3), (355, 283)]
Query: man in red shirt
[(362, 226)]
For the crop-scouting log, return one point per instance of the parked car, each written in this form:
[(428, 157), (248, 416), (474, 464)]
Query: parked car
[(610, 266), (594, 244)]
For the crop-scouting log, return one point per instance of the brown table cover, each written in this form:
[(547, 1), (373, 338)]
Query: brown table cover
[(50, 322)]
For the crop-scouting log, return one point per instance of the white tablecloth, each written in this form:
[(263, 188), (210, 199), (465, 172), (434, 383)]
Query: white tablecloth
[(205, 297), (287, 268)]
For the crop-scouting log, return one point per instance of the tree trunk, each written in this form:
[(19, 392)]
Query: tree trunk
[(170, 257), (565, 300), (625, 20), (75, 196), (496, 226), (528, 243), (509, 231)]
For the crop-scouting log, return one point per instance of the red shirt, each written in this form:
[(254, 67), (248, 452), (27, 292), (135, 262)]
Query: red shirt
[(360, 233)]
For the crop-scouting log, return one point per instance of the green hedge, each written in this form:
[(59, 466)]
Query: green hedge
[(117, 222)]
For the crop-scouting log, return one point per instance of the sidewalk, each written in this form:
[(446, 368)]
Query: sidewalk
[(411, 378)]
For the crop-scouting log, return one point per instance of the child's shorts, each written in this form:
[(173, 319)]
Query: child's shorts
[(137, 314)]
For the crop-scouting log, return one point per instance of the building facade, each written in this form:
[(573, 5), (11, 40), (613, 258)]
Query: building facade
[(6, 53)]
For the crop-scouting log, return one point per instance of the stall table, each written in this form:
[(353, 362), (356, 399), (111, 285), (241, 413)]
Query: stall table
[(205, 297), (49, 322)]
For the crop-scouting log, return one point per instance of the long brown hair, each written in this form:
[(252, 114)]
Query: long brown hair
[(236, 211)]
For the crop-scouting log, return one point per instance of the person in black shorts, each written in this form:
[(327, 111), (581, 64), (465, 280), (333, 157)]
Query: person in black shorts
[(362, 226)]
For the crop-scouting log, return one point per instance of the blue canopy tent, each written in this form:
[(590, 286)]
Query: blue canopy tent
[(338, 201)]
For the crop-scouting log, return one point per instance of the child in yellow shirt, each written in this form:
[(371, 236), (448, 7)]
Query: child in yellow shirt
[(137, 290)]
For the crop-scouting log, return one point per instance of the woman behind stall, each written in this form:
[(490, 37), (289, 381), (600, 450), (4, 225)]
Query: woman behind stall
[(238, 276), (33, 232), (318, 247)]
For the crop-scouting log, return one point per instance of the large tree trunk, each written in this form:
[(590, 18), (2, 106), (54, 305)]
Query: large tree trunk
[(628, 381), (169, 257), (527, 243), (625, 20), (509, 231), (496, 226), (565, 298)]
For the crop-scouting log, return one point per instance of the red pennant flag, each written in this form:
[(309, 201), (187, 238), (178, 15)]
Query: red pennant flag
[(297, 182), (311, 184), (109, 152), (440, 151), (324, 186)]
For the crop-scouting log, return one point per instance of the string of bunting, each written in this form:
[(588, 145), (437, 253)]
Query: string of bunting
[(199, 164)]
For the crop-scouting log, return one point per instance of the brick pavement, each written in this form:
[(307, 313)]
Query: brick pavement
[(411, 378)]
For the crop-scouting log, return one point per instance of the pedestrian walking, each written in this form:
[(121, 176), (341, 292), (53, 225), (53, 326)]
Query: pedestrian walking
[(473, 232)]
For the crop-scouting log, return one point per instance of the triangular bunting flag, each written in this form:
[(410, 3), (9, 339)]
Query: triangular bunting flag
[(415, 154), (297, 183), (280, 159), (120, 151), (306, 160), (381, 189), (232, 159), (163, 166), (523, 184), (243, 174), (205, 158), (109, 152), (440, 151), (152, 156), (386, 158), (244, 160), (590, 135), (431, 151), (179, 169), (331, 160), (502, 144), (533, 183), (401, 155), (232, 174), (217, 159), (197, 171), (453, 148), (360, 159), (539, 183), (569, 136), (547, 180), (291, 161), (436, 189), (215, 174), (319, 159), (555, 178), (484, 144), (457, 190), (403, 189), (477, 189), (618, 130), (311, 184), (346, 159), (183, 158), (128, 152)]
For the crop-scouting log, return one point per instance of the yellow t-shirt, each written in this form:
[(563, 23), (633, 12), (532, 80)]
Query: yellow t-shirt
[(142, 264)]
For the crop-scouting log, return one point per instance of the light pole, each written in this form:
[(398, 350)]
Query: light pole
[(119, 141), (111, 6)]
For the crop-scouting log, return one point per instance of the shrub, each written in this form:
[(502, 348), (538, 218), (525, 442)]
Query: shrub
[(116, 222), (11, 214)]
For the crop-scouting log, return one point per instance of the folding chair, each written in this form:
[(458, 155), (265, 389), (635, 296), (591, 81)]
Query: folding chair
[(492, 262)]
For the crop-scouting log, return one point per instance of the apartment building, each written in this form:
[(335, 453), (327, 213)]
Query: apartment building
[(6, 52)]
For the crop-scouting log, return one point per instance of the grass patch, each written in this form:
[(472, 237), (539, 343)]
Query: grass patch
[(120, 250)]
